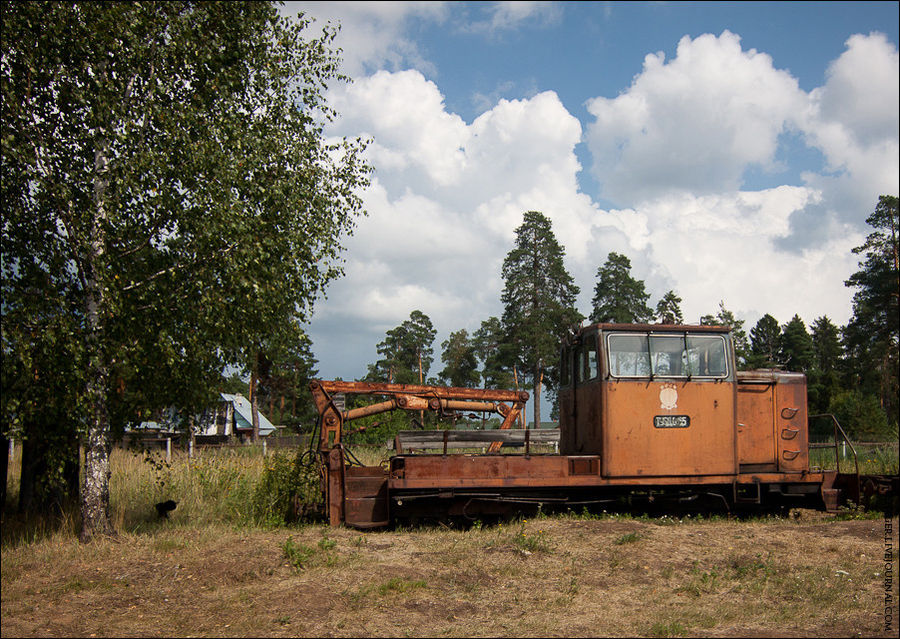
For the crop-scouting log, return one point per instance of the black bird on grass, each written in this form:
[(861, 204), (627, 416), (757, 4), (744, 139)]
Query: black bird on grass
[(163, 508)]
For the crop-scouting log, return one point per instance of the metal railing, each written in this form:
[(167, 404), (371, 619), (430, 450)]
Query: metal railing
[(838, 431)]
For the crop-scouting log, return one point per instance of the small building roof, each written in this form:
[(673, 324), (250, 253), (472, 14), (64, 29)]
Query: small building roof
[(243, 417)]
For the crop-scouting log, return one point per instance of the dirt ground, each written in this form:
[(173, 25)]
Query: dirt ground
[(810, 575)]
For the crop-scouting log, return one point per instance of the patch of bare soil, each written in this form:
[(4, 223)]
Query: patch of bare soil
[(556, 577)]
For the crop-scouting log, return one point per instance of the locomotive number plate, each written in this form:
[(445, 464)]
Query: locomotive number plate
[(671, 421)]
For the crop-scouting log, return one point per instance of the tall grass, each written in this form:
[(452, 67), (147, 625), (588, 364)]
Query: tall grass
[(241, 486), (213, 485), (874, 459), (236, 486)]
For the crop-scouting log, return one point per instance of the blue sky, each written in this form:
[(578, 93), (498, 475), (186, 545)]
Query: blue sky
[(731, 150)]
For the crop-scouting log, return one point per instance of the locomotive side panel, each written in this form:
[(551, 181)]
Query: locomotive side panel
[(773, 431), (669, 429), (792, 423), (668, 401)]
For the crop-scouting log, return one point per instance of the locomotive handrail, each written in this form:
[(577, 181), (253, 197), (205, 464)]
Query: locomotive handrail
[(837, 456), (417, 439)]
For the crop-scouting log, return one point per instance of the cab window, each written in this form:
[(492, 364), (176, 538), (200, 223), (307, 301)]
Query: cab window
[(706, 354), (680, 356), (629, 355), (588, 364), (592, 360), (668, 357)]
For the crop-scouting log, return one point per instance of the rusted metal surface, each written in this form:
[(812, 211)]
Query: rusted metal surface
[(333, 462), (756, 424), (561, 471), (635, 444), (772, 421), (642, 407), (358, 496), (507, 404), (366, 497)]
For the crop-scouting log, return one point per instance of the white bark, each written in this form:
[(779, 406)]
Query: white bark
[(95, 489)]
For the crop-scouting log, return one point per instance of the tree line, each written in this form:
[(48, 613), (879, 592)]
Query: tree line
[(851, 370)]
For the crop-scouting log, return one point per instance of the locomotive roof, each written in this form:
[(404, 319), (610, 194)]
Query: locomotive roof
[(657, 328)]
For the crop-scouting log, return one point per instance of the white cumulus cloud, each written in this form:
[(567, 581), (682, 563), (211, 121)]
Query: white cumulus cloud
[(695, 123), (373, 34)]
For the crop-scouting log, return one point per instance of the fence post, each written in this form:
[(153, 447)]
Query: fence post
[(264, 448), (191, 448), (168, 449)]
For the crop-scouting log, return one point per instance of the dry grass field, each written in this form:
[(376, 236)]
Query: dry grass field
[(203, 574), (557, 577)]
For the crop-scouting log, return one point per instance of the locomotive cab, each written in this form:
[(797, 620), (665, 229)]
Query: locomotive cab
[(651, 400)]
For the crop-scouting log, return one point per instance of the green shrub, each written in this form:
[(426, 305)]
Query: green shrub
[(288, 491), (862, 417)]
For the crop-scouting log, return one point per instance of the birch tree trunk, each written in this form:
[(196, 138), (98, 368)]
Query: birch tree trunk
[(95, 488), (254, 407), (229, 419)]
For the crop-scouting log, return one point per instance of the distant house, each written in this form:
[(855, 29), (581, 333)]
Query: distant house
[(169, 421), (234, 418), (231, 417)]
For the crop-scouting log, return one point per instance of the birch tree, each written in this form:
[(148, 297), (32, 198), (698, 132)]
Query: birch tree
[(169, 199)]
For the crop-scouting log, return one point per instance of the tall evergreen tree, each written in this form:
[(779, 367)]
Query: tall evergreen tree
[(539, 301), (795, 346), (618, 297), (495, 353), (668, 309), (284, 382), (873, 333), (407, 351), (764, 343), (824, 377), (460, 362)]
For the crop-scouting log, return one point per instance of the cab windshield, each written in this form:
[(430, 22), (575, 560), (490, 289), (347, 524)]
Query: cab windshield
[(655, 355)]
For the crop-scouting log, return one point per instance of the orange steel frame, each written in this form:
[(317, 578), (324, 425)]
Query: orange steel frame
[(508, 404), (736, 443)]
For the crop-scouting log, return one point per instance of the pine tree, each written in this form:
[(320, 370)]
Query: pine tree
[(873, 334), (618, 297), (406, 352), (539, 301), (668, 309), (495, 353), (795, 346), (824, 376), (460, 363), (764, 343)]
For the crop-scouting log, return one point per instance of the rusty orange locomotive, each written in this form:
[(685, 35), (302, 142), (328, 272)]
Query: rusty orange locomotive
[(645, 412)]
